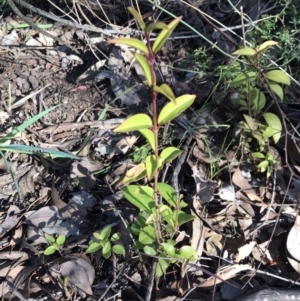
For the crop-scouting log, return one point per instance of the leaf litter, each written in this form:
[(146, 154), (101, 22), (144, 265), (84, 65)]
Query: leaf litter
[(235, 210)]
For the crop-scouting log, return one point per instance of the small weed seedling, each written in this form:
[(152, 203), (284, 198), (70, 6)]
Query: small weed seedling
[(102, 241), (252, 85), (54, 244), (158, 222)]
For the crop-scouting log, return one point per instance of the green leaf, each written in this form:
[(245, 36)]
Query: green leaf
[(169, 154), (247, 51), (105, 233), (50, 250), (135, 43), (93, 247), (258, 155), (169, 249), (149, 250), (151, 166), (188, 253), (149, 135), (268, 132), (164, 35), (274, 122), (146, 68), (49, 238), (135, 174), (165, 90), (147, 235), (262, 166), (252, 124), (172, 110), (106, 251), (277, 90), (258, 99), (26, 124), (278, 76), (140, 196), (118, 249), (183, 217), (115, 237), (244, 77), (61, 239), (137, 18), (266, 45), (134, 123), (161, 267), (168, 193), (156, 25)]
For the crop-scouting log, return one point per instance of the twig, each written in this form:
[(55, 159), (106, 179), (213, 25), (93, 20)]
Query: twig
[(33, 25), (151, 280)]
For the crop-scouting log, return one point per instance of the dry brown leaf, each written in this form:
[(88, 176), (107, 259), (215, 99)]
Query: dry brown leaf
[(245, 251), (242, 182), (12, 218), (293, 240), (226, 273)]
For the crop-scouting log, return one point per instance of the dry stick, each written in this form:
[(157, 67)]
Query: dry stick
[(151, 280), (33, 25)]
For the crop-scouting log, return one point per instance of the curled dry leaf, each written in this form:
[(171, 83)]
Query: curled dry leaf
[(293, 240), (245, 251), (12, 218)]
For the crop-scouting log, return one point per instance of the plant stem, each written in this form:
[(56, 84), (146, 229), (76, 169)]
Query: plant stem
[(151, 61)]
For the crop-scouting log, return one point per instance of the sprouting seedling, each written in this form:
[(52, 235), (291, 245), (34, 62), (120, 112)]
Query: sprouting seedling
[(54, 244)]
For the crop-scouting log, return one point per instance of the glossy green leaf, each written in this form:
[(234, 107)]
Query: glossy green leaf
[(149, 135), (115, 237), (140, 196), (183, 217), (165, 90), (105, 233), (134, 123), (169, 154), (168, 193), (149, 250), (266, 45), (151, 166), (146, 69), (188, 253), (50, 250), (274, 122), (268, 132), (278, 76), (147, 235), (247, 51), (50, 238), (106, 251), (161, 267), (118, 249), (169, 249), (137, 18), (135, 43), (243, 77), (156, 25), (93, 247), (258, 155), (172, 110), (277, 90), (164, 35), (135, 174), (61, 240)]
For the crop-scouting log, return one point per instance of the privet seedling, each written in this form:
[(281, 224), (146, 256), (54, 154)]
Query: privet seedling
[(102, 241), (253, 84), (55, 245), (158, 222)]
